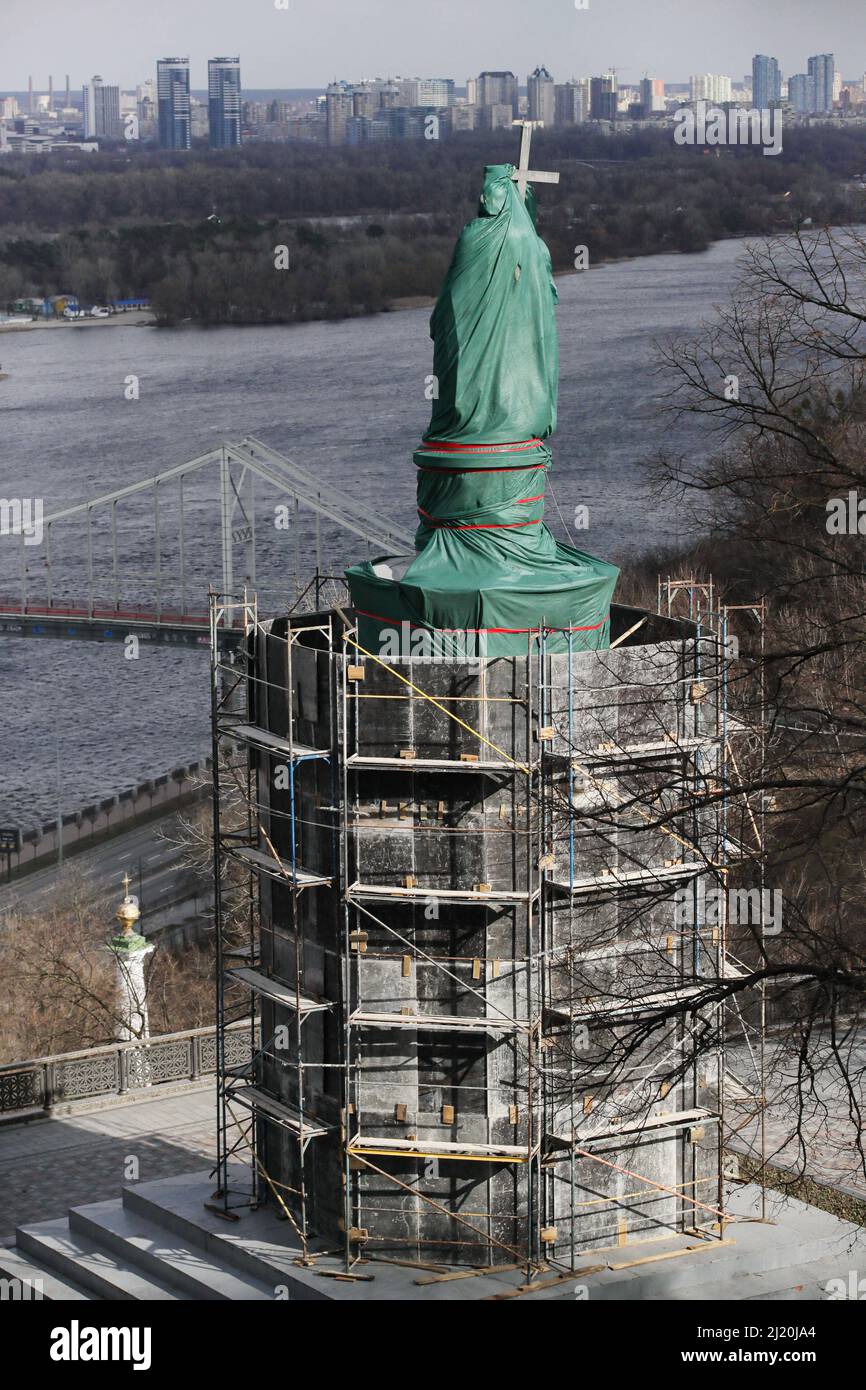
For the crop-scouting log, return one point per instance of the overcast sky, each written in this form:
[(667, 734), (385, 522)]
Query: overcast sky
[(315, 40)]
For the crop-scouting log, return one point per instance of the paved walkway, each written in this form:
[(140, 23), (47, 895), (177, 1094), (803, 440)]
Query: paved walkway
[(47, 1166)]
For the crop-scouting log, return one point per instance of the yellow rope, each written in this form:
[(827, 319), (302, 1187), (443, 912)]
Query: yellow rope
[(602, 785), (424, 695)]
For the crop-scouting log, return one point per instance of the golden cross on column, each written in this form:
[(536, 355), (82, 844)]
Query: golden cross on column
[(523, 174), (126, 885)]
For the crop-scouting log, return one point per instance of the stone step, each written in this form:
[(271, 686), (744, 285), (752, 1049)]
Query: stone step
[(258, 1245), (80, 1259), (757, 1258), (37, 1282), (143, 1244)]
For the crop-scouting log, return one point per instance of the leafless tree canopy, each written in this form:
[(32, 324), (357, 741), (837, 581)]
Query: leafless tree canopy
[(778, 376), (59, 984)]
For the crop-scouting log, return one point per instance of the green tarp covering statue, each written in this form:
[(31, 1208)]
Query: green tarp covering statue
[(487, 572)]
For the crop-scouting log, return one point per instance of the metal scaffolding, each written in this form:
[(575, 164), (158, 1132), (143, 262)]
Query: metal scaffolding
[(701, 606), (544, 779)]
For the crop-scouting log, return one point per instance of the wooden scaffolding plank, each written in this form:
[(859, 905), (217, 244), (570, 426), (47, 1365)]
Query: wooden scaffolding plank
[(253, 1098), (438, 1148), (361, 760), (615, 880), (276, 990), (387, 892), (451, 1023), (275, 868), (679, 1119), (272, 743), (601, 1008)]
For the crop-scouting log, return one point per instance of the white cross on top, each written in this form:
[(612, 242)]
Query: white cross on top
[(523, 174)]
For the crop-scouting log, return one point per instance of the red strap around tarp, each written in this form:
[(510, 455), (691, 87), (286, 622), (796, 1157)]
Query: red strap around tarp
[(448, 447)]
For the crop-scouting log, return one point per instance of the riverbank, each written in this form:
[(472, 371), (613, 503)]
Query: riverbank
[(130, 319), (426, 301)]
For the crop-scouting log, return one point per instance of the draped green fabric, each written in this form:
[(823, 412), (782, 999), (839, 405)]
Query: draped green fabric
[(486, 564), (495, 350)]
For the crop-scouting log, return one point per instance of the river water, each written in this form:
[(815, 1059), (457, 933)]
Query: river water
[(346, 400)]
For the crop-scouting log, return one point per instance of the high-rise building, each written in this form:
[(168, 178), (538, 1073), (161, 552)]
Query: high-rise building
[(435, 91), (710, 86), (471, 91), (541, 97), (766, 82), (652, 95), (408, 89), (603, 97), (224, 102), (822, 70), (570, 102), (172, 90), (146, 108), (364, 101), (389, 96), (101, 111), (339, 108), (801, 92), (499, 89)]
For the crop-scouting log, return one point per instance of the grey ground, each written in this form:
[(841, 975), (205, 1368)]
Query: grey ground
[(48, 1166)]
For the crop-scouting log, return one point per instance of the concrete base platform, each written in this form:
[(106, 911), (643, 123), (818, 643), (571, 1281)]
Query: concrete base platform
[(161, 1242)]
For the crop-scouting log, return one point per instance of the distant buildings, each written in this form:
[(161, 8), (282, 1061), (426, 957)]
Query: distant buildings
[(652, 96), (396, 109), (339, 110), (801, 93), (710, 87), (499, 115), (172, 91), (815, 92), (224, 102), (498, 89), (541, 98), (766, 82), (464, 117), (822, 71), (571, 102), (101, 111), (435, 91), (603, 97), (418, 92)]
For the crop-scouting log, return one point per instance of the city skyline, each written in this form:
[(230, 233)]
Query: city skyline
[(296, 48)]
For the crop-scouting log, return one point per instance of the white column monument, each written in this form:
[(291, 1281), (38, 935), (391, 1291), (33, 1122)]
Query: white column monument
[(130, 951)]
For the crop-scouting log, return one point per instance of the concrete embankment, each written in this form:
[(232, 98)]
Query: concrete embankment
[(102, 820)]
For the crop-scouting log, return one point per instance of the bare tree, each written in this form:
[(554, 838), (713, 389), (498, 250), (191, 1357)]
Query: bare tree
[(59, 985), (779, 378)]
